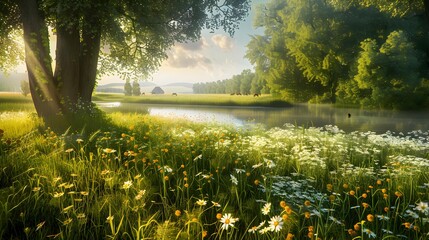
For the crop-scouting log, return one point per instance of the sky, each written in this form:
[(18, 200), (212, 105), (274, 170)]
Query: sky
[(215, 56)]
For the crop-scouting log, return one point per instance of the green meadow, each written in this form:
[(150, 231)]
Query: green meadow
[(143, 177), (265, 100)]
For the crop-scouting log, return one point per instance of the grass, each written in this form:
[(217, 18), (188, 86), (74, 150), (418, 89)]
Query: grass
[(146, 177), (151, 178), (15, 102), (196, 99)]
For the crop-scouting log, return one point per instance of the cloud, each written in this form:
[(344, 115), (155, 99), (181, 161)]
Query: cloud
[(223, 42), (193, 46), (181, 58)]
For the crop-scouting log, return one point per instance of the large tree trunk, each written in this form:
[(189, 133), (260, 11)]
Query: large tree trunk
[(57, 96), (37, 58), (91, 37)]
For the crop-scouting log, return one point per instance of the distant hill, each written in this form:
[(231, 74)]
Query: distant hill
[(12, 82), (147, 87)]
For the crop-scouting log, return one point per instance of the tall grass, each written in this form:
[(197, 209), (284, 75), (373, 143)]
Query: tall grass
[(154, 178)]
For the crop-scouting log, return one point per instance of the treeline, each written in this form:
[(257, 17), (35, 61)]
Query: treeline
[(243, 83), (374, 53)]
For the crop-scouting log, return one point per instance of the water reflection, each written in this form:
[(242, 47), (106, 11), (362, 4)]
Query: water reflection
[(302, 115)]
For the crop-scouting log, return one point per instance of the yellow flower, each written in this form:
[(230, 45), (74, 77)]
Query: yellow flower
[(283, 204), (201, 202), (307, 215), (329, 187), (219, 216), (370, 217), (177, 213)]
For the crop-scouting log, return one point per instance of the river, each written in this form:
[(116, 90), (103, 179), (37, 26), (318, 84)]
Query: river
[(306, 115)]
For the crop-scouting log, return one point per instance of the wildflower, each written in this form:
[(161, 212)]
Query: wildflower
[(266, 209), (201, 202), (81, 216), (218, 216), (370, 233), (36, 189), (422, 207), (307, 203), (69, 150), (58, 194), (109, 150), (216, 204), (352, 193), (307, 215), (84, 193), (234, 180), (204, 234), (177, 213), (228, 221), (345, 186), (264, 230), (282, 204), (166, 178), (356, 227), (365, 205), (407, 225), (382, 217), (79, 140), (398, 194), (370, 217), (67, 221), (127, 184), (329, 187), (288, 210), (67, 208), (40, 225), (364, 195), (256, 182), (109, 218), (285, 217), (276, 223), (289, 236), (352, 232), (253, 229)]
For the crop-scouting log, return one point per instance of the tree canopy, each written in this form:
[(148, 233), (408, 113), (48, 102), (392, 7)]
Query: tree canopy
[(372, 53), (99, 36)]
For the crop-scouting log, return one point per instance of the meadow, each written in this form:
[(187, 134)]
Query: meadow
[(143, 177), (196, 99)]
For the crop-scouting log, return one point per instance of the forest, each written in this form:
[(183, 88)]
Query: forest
[(373, 54)]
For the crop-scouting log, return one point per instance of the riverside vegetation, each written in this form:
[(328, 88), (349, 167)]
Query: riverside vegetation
[(142, 177)]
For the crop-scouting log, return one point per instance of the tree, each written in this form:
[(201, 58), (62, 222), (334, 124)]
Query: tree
[(127, 37), (390, 73), (136, 89), (25, 88), (128, 89)]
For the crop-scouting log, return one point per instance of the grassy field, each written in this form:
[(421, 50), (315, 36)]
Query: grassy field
[(153, 178), (196, 99)]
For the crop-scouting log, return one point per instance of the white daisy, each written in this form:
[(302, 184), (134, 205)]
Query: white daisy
[(266, 209), (276, 223), (228, 221)]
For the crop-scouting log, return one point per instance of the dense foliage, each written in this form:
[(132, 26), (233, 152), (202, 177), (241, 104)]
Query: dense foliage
[(372, 53), (244, 83)]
